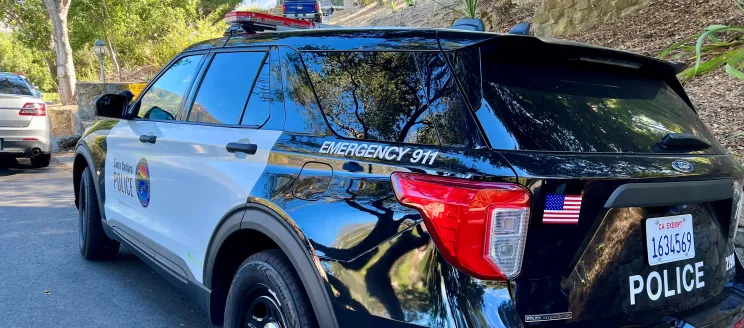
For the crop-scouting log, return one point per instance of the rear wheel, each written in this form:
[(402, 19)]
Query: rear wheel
[(267, 293), (94, 244), (41, 160)]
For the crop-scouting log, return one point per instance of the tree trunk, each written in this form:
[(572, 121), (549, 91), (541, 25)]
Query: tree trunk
[(110, 41), (57, 10)]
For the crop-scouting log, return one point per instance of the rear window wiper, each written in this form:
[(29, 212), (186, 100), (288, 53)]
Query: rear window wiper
[(680, 142)]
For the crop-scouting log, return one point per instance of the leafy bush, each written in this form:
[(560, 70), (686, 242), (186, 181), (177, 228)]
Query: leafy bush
[(469, 10), (50, 97), (17, 57), (716, 46)]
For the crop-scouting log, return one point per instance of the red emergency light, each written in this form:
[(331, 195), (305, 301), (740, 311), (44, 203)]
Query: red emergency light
[(253, 22)]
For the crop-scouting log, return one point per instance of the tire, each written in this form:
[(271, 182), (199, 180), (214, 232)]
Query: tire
[(267, 286), (94, 244), (41, 160), (319, 19)]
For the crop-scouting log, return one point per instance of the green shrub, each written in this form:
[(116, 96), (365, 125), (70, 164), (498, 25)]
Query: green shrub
[(716, 46), (16, 57)]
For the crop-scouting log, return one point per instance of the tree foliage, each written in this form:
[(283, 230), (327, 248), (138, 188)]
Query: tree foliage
[(142, 34), (715, 47), (17, 57)]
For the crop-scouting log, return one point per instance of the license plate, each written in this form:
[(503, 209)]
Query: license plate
[(669, 239)]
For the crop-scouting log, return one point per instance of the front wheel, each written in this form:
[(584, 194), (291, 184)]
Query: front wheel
[(94, 244), (267, 293)]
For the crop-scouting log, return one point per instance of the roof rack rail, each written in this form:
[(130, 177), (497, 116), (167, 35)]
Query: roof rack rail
[(248, 22)]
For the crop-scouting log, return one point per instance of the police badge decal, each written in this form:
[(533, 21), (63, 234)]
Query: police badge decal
[(142, 180)]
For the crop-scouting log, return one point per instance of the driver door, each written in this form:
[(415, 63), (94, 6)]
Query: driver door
[(134, 159)]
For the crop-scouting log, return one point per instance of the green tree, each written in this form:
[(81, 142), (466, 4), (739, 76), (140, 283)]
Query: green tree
[(30, 24), (17, 57)]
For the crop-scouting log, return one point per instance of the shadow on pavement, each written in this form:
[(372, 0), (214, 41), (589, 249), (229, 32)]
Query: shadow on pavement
[(10, 166)]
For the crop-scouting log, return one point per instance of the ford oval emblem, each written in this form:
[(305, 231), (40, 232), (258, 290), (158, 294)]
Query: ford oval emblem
[(682, 166)]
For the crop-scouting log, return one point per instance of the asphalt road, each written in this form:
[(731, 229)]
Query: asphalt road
[(44, 282)]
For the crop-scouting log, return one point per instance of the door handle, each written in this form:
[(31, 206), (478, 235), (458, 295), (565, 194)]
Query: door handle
[(148, 139), (235, 147)]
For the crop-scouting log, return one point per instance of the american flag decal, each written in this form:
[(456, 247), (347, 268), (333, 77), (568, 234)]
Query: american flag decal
[(561, 209)]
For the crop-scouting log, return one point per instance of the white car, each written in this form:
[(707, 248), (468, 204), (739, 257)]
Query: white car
[(25, 128)]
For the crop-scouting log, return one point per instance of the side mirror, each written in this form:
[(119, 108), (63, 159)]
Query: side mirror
[(111, 105), (157, 113)]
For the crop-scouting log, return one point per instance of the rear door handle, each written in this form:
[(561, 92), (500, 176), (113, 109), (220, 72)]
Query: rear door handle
[(148, 139), (235, 147)]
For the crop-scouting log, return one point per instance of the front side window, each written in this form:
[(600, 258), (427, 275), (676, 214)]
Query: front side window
[(223, 93), (164, 98)]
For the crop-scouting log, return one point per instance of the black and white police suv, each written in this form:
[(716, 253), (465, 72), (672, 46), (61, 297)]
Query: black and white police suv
[(417, 177)]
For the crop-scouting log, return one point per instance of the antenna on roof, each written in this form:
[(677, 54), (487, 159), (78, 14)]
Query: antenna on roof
[(469, 24), (521, 29)]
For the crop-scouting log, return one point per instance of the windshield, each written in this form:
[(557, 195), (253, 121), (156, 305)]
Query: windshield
[(581, 107), (14, 85)]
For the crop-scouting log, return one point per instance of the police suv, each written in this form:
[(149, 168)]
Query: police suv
[(337, 177)]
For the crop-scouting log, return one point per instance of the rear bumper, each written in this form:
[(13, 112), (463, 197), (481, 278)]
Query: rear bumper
[(724, 311), (23, 148), (22, 141), (302, 16)]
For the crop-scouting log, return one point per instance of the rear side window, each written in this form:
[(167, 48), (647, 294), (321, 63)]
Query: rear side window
[(449, 112), (224, 91), (14, 85), (575, 106), (373, 95), (259, 103)]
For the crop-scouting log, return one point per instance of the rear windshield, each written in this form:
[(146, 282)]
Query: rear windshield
[(14, 85), (581, 107)]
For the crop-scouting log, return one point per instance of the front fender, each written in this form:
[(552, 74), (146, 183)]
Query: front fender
[(77, 169)]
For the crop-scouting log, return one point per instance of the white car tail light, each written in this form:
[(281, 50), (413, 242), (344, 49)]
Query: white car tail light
[(33, 109)]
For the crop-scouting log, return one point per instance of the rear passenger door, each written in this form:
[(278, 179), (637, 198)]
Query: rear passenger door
[(219, 150)]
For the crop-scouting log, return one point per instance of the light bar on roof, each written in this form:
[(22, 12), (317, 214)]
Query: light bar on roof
[(266, 21)]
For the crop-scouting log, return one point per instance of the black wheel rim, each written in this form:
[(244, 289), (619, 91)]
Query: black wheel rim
[(83, 217), (262, 309)]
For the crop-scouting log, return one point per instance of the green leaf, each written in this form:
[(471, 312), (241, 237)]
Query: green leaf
[(704, 67), (677, 45), (735, 61), (708, 31)]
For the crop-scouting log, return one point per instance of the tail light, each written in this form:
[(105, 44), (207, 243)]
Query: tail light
[(479, 227), (284, 7), (33, 109), (317, 6)]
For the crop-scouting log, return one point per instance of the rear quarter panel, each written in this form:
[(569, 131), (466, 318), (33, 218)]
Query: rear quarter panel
[(376, 256)]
